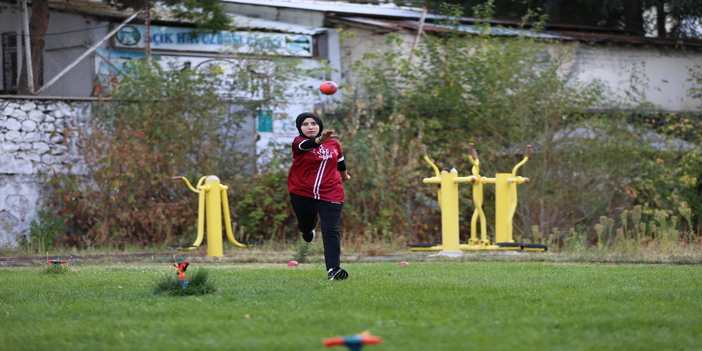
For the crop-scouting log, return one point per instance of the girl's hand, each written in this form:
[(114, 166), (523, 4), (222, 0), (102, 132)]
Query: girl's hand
[(344, 176), (327, 134)]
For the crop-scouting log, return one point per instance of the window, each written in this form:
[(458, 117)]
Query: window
[(9, 62), (265, 120)]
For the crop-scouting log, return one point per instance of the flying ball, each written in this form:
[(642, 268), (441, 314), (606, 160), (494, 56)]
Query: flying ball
[(293, 264), (328, 88)]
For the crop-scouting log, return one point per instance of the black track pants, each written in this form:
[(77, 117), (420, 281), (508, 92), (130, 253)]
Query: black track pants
[(306, 210)]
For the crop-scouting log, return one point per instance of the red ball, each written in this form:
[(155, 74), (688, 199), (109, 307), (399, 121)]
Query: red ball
[(328, 88)]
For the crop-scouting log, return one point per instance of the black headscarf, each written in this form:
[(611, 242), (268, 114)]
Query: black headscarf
[(305, 115)]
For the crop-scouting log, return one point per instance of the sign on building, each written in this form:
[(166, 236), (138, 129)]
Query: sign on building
[(187, 39)]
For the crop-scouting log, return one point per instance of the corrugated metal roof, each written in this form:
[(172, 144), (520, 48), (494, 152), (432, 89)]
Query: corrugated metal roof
[(387, 10), (392, 17), (590, 37), (429, 27), (243, 22), (570, 34)]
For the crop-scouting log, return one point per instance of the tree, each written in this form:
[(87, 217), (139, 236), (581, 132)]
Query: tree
[(162, 120), (208, 15), (38, 25), (500, 93), (653, 16)]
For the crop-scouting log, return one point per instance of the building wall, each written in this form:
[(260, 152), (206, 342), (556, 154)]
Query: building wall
[(35, 140), (365, 40), (39, 137), (664, 72), (68, 36), (289, 15)]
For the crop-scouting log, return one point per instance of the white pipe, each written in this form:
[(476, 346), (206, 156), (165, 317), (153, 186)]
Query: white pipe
[(419, 31), (92, 48), (27, 48)]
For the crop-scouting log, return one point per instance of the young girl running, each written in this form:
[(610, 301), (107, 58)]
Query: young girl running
[(315, 187)]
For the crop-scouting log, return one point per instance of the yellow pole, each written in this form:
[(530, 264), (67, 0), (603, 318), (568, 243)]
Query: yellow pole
[(449, 212), (503, 203), (213, 211), (513, 182)]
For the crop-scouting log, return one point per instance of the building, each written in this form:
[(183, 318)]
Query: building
[(87, 43), (601, 55), (81, 51)]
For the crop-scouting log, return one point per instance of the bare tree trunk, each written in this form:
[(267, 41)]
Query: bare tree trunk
[(38, 25), (660, 19)]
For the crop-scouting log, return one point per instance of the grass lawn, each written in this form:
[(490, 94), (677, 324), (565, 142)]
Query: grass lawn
[(423, 306)]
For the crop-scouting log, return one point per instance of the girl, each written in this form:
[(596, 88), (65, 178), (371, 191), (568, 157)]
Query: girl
[(315, 187)]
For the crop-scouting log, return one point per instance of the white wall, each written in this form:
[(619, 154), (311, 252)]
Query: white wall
[(665, 71), (32, 142)]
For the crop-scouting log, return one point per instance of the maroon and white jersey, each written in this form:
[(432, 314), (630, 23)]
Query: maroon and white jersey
[(314, 171)]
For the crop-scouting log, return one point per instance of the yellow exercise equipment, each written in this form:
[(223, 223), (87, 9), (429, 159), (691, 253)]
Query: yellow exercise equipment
[(505, 207), (212, 202)]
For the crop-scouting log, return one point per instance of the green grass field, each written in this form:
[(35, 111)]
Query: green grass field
[(423, 306)]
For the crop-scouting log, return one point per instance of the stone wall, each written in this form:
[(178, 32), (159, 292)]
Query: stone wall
[(35, 138)]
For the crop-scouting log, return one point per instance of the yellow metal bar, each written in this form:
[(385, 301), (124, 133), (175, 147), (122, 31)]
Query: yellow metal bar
[(432, 180), (526, 158), (465, 179), (187, 183), (449, 212), (514, 170), (426, 158), (213, 211), (436, 174), (473, 158), (200, 223), (433, 166), (513, 182), (227, 220), (502, 205), (478, 214), (199, 183), (505, 208), (512, 209)]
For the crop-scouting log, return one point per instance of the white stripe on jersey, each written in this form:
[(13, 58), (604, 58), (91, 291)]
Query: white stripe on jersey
[(299, 146), (318, 180)]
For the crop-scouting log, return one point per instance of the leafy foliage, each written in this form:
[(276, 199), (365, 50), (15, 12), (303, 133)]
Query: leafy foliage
[(163, 122), (44, 231), (200, 282), (56, 269), (500, 93), (668, 18)]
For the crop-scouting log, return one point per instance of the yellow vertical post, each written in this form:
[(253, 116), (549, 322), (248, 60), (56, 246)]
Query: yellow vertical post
[(503, 203), (449, 213), (213, 211)]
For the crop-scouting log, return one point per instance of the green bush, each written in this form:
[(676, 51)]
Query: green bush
[(199, 283), (43, 232), (503, 93), (162, 122)]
